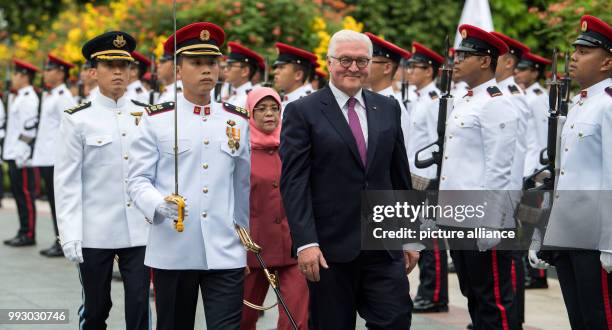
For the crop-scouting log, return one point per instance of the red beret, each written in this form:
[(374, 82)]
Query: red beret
[(239, 53), (478, 40), (54, 61), (386, 49), (530, 60), (515, 47), (594, 33), (201, 38), (321, 73), (290, 54), (140, 58), (24, 66), (421, 53)]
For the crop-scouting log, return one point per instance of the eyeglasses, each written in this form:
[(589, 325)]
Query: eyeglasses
[(461, 56), (346, 62), (263, 109)]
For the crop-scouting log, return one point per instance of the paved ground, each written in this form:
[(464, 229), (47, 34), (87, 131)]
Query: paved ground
[(28, 280)]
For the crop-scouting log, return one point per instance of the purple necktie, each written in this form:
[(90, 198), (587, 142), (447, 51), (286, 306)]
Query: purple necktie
[(355, 126)]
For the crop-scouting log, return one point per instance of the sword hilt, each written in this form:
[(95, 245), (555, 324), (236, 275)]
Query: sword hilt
[(180, 203)]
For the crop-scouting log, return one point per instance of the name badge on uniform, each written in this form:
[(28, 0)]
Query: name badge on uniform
[(233, 135)]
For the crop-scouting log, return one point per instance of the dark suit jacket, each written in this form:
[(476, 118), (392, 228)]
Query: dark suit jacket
[(322, 174)]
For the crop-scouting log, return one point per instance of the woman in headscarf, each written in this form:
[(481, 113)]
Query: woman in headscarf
[(268, 223)]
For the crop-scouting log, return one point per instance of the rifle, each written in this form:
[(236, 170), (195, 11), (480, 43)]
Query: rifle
[(80, 88), (558, 98), (218, 89), (405, 84), (154, 83), (266, 82), (445, 105)]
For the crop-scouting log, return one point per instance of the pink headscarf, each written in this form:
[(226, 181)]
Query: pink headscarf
[(259, 139)]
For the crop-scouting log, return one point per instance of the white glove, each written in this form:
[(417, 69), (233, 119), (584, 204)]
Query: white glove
[(428, 224), (167, 210), (73, 251), (485, 243), (532, 255), (23, 152), (606, 260)]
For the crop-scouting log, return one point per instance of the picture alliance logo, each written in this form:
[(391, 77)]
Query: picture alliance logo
[(412, 212)]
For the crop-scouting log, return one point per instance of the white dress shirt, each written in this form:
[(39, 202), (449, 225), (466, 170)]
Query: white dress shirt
[(537, 100), (22, 118), (239, 94), (424, 127), (136, 91)]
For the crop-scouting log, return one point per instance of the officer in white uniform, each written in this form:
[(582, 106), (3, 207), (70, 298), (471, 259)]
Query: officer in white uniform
[(478, 155), (135, 89), (292, 69), (529, 70), (213, 177), (580, 216), (242, 65), (20, 132), (97, 220), (54, 102), (386, 58)]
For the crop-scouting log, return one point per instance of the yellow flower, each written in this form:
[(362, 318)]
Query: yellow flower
[(350, 23)]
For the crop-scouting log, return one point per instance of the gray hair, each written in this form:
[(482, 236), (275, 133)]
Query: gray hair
[(347, 36)]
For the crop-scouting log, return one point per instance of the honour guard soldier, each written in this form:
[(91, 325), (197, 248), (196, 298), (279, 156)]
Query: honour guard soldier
[(478, 155), (580, 220), (528, 72), (97, 220), (20, 132), (526, 147), (213, 176), (242, 65), (54, 102), (292, 70), (432, 293), (135, 88), (386, 58), (166, 76)]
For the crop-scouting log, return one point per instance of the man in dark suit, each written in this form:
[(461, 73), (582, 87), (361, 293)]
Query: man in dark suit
[(335, 143)]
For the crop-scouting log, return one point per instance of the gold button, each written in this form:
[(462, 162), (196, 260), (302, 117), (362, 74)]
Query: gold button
[(562, 172), (572, 127), (566, 149), (99, 141), (445, 157), (204, 119), (204, 214), (205, 166), (129, 204), (123, 134), (443, 178), (450, 137), (118, 112), (461, 124), (205, 190), (125, 157), (580, 134), (206, 142)]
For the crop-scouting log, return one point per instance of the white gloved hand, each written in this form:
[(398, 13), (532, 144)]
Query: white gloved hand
[(167, 210), (534, 247), (23, 152), (486, 243), (73, 251), (428, 224), (606, 260)]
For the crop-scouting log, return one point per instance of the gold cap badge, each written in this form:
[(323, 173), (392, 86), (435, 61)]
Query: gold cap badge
[(413, 49), (204, 35), (584, 26), (119, 41), (464, 33)]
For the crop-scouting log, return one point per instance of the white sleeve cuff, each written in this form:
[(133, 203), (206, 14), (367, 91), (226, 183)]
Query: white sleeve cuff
[(306, 246)]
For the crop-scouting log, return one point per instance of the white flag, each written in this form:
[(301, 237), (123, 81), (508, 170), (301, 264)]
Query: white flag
[(477, 13)]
